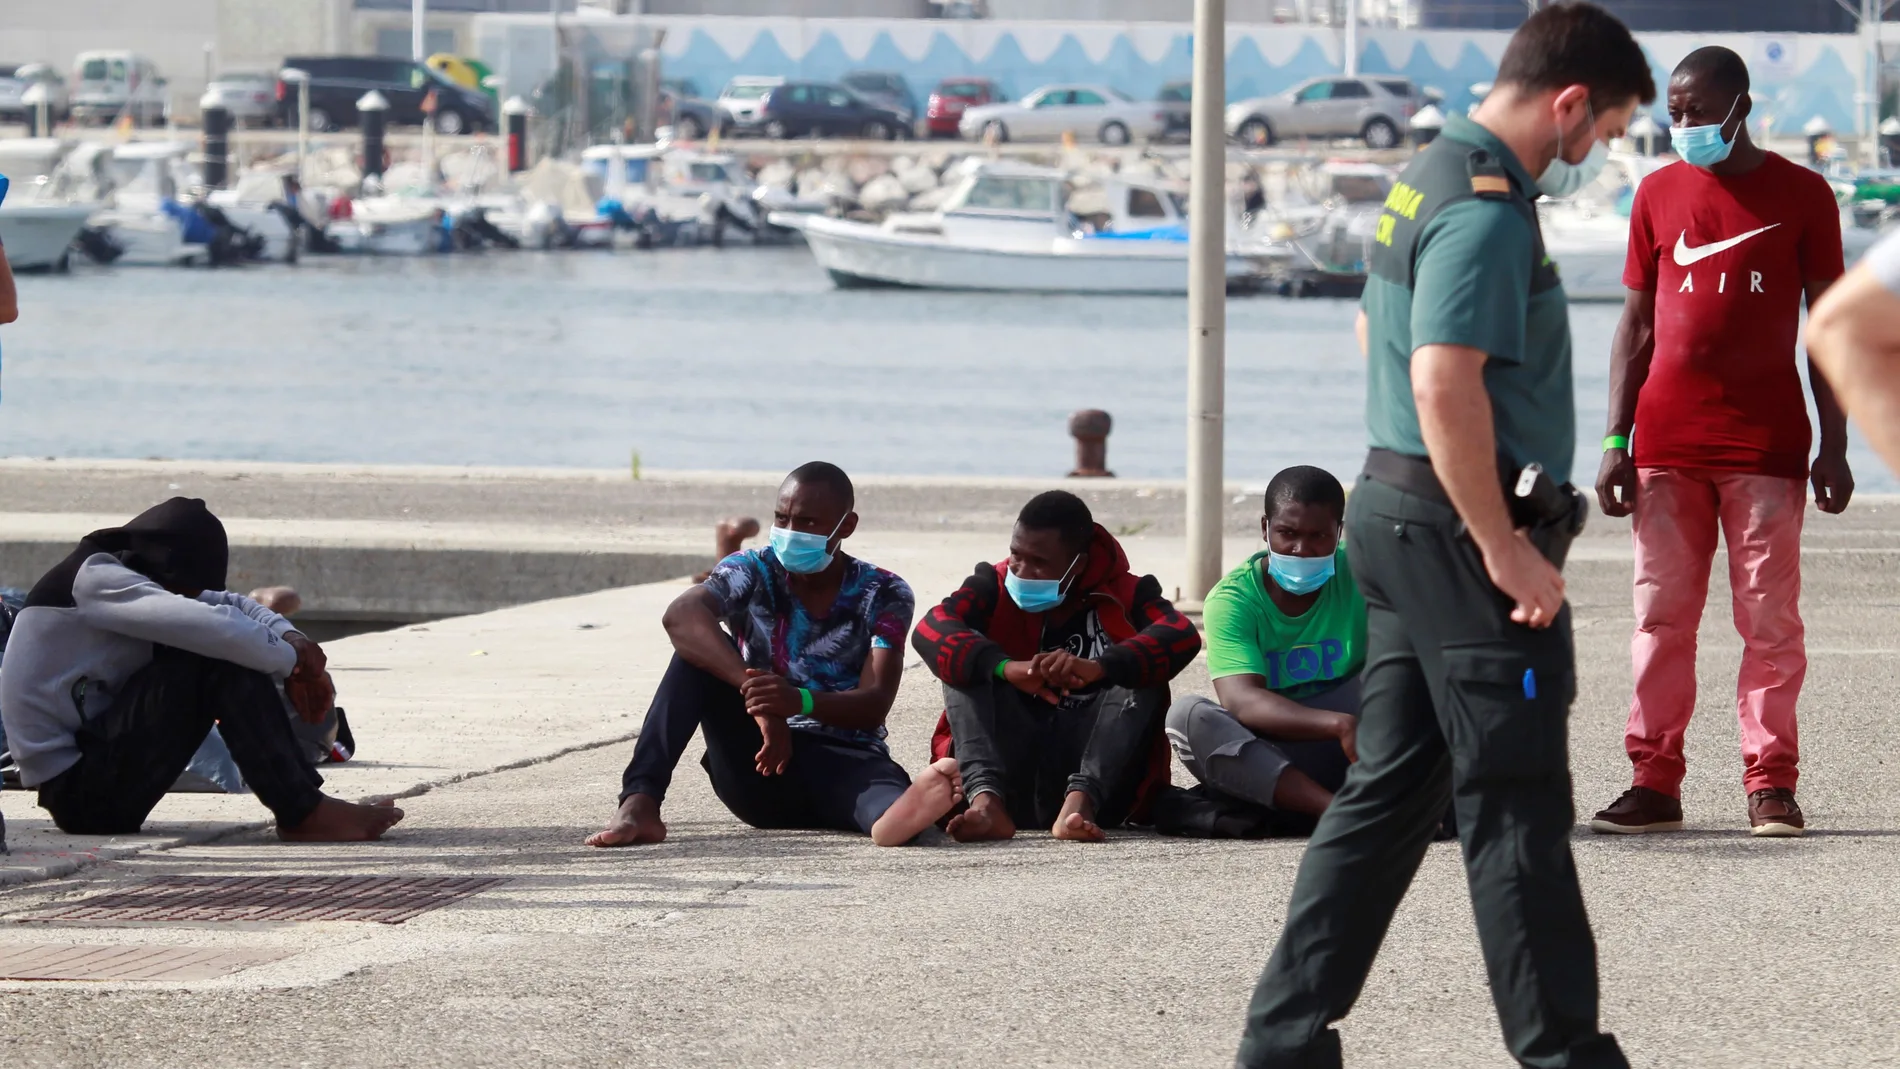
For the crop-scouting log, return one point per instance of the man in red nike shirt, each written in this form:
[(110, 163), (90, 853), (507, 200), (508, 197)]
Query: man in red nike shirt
[(1709, 432)]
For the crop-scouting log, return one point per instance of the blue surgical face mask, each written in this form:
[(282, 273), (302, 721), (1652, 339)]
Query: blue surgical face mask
[(803, 553), (1037, 595), (1299, 575), (1702, 146), (1561, 179)]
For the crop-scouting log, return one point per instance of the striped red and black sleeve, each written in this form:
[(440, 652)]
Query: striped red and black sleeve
[(950, 638), (1164, 644)]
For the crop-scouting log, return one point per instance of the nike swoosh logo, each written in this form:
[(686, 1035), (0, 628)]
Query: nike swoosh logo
[(1686, 255)]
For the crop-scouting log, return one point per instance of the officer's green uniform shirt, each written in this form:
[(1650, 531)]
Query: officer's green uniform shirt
[(1479, 278), (1248, 635)]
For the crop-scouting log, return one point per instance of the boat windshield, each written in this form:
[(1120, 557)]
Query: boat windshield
[(1359, 188), (1012, 193), (747, 92)]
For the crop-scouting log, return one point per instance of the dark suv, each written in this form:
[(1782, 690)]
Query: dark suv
[(820, 109), (338, 82)]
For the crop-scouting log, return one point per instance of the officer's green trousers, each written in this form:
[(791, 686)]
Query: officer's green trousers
[(1460, 704)]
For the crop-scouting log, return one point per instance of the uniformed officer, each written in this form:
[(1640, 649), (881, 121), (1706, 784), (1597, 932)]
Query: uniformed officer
[(1470, 671)]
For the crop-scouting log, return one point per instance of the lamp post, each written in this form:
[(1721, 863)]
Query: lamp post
[(301, 79), (1207, 300)]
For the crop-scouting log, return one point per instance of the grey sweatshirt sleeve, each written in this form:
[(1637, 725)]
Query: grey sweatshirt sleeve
[(112, 597), (279, 625)]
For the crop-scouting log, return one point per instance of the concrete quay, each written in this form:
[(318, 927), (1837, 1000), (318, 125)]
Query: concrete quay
[(506, 733)]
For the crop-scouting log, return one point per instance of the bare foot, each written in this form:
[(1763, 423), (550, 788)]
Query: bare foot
[(1076, 822), (935, 792), (281, 600), (729, 537), (638, 821), (985, 819), (337, 821)]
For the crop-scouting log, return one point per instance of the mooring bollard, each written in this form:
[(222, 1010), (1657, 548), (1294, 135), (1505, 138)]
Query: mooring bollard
[(516, 111), (374, 108), (217, 141), (1820, 139), (38, 101), (1090, 429)]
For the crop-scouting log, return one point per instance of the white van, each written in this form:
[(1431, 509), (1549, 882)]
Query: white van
[(108, 84)]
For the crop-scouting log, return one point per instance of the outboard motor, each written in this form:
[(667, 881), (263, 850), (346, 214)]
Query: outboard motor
[(95, 243)]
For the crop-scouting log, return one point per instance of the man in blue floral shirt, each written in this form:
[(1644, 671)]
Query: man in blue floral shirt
[(793, 693)]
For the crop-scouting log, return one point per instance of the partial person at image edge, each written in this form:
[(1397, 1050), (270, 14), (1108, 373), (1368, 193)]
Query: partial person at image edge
[(1708, 434)]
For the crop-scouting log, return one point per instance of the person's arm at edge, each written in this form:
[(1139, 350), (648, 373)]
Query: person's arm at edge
[(1166, 643), (867, 705), (1362, 329), (692, 625), (1632, 349), (9, 295), (1854, 341)]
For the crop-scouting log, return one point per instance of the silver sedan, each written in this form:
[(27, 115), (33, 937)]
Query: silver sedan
[(1090, 112)]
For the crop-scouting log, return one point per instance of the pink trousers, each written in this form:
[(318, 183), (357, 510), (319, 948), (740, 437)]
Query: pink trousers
[(1678, 513)]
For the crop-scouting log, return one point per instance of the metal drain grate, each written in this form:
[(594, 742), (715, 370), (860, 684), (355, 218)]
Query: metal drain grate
[(78, 961), (385, 899)]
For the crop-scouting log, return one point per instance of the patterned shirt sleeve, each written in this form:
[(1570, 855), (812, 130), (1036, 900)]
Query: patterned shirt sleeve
[(732, 582), (891, 613)]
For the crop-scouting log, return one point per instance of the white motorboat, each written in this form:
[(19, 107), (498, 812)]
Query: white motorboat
[(391, 226), (149, 225), (40, 236), (1011, 227)]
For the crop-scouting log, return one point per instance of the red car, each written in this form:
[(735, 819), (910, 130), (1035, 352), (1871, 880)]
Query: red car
[(949, 99)]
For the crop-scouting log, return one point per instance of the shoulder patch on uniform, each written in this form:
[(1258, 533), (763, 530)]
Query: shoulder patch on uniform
[(1488, 178)]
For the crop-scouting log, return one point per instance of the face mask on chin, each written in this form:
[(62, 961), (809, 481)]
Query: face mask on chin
[(1561, 178)]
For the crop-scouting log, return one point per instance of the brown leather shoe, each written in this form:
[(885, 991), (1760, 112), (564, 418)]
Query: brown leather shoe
[(1639, 810), (1773, 813)]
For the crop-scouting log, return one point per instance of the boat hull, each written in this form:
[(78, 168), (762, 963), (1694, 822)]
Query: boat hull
[(860, 255), (37, 236)]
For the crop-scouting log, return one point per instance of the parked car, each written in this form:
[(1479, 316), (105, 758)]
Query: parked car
[(338, 82), (1090, 112), (250, 97), (690, 117), (1177, 100), (819, 109), (16, 80), (739, 101), (950, 98), (109, 84), (886, 89), (1378, 110)]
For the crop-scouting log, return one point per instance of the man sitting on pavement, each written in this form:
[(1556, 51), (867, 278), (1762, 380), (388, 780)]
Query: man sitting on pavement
[(1055, 666), (127, 653), (1286, 638), (792, 704)]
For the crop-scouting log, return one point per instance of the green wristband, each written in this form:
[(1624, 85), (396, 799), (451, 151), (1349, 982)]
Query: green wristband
[(999, 671), (804, 701), (1616, 441)]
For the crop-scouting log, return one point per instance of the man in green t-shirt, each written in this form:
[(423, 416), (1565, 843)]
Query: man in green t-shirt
[(1286, 637)]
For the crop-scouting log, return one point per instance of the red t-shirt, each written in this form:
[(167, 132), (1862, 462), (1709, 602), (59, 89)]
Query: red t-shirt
[(1728, 258)]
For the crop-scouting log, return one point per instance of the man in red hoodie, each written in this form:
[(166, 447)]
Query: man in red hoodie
[(1055, 666)]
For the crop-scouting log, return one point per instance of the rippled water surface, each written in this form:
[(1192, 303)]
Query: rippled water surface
[(737, 358)]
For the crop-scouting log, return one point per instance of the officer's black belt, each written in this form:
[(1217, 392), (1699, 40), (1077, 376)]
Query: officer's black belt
[(1414, 475)]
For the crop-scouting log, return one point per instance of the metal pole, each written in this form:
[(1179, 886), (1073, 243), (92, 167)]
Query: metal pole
[(1350, 61), (418, 23), (1207, 301), (303, 132), (1869, 118)]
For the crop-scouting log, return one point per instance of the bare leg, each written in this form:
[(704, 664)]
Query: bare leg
[(986, 819), (930, 796), (729, 536), (337, 821), (281, 600), (638, 821), (1296, 792), (1076, 822)]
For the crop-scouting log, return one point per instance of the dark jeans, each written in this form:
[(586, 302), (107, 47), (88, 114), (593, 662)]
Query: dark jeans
[(830, 782), (1033, 754), (1460, 704), (132, 753)]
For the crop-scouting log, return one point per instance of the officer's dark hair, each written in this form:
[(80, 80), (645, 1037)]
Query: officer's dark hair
[(1306, 485), (1575, 43), (1063, 513), (829, 476), (1717, 68)]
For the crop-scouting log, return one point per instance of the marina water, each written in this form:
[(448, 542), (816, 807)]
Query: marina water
[(696, 359)]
